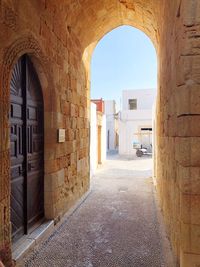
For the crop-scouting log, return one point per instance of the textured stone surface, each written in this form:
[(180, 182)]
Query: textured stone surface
[(116, 225), (60, 38)]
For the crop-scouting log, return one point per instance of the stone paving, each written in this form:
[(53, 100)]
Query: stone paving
[(116, 226)]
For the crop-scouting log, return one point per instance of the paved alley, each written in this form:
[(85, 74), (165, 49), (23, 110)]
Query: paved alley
[(115, 226)]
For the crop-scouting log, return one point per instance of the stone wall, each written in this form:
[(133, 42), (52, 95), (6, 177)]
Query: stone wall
[(177, 128), (60, 37), (39, 29)]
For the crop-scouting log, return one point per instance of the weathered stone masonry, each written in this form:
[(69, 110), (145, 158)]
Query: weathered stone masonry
[(60, 36)]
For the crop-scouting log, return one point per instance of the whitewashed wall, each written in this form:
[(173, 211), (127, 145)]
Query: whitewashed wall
[(111, 124), (103, 139), (130, 121), (93, 139), (145, 98), (126, 135)]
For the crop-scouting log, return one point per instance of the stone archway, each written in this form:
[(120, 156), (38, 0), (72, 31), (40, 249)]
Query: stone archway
[(68, 39), (172, 31)]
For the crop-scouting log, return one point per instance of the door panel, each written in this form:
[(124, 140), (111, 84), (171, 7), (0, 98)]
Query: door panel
[(16, 152), (35, 187), (17, 207)]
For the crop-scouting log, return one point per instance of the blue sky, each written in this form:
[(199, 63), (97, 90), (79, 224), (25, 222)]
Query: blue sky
[(125, 58)]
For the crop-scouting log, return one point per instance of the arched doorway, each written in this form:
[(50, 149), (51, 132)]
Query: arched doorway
[(26, 148)]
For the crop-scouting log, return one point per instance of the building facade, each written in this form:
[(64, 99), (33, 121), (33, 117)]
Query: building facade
[(135, 120), (111, 125), (97, 135)]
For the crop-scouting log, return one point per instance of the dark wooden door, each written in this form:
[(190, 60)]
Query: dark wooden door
[(27, 146), (35, 147), (16, 151)]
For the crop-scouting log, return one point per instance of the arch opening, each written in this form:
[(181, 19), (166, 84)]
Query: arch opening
[(123, 66), (68, 41)]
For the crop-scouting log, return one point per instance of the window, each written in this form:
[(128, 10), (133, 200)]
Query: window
[(146, 129), (132, 104)]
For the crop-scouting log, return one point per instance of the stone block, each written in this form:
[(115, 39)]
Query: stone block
[(50, 211), (4, 175), (189, 260), (190, 12), (182, 151), (53, 181), (72, 110), (4, 220), (190, 208), (70, 135), (61, 177), (190, 46), (74, 145), (49, 183), (69, 146), (53, 120), (188, 125), (187, 99), (65, 107), (190, 238), (51, 166), (188, 70), (50, 135), (194, 151), (172, 126), (73, 123), (189, 179), (187, 151), (52, 197), (50, 150), (60, 150)]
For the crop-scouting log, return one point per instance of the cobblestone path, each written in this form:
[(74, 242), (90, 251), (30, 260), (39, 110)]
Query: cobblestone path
[(115, 226)]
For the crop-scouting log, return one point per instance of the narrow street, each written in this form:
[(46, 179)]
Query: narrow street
[(116, 226)]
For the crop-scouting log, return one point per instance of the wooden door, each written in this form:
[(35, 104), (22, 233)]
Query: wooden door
[(26, 148), (35, 147), (17, 153)]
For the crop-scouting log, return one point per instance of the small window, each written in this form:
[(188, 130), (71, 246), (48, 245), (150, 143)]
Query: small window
[(132, 104), (146, 129)]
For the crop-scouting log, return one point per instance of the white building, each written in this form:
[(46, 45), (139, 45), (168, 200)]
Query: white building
[(111, 125), (135, 119), (97, 138)]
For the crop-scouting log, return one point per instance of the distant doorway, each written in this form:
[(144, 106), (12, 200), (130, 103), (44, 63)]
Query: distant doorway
[(108, 140)]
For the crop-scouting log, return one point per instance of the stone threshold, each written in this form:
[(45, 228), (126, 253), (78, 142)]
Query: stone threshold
[(27, 243)]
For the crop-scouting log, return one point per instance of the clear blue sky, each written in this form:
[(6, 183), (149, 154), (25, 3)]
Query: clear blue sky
[(125, 58)]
